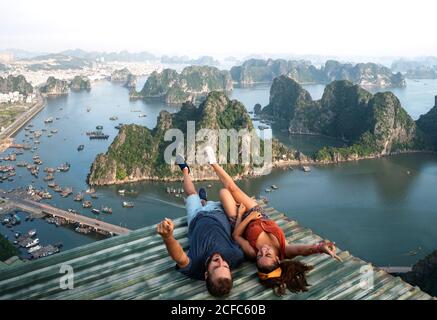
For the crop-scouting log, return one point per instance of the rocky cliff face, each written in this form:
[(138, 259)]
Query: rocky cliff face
[(80, 83), (372, 124), (364, 74), (428, 124), (131, 81), (15, 83), (55, 87), (192, 82), (137, 153), (290, 105), (257, 71), (120, 75)]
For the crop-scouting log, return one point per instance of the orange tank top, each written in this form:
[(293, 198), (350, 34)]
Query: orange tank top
[(255, 227)]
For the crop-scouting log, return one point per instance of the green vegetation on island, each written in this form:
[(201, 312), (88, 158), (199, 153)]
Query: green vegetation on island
[(15, 83), (428, 124), (365, 74), (372, 125), (120, 75), (7, 250), (55, 87), (80, 83), (192, 82), (137, 153)]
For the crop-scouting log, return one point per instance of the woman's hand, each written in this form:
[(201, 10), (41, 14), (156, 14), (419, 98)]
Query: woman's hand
[(241, 210), (329, 248), (254, 215), (165, 228)]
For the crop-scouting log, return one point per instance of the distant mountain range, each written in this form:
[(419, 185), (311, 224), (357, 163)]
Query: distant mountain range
[(365, 74)]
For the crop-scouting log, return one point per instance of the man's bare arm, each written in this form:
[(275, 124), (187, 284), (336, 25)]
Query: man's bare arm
[(174, 248)]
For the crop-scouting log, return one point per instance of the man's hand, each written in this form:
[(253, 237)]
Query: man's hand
[(165, 228)]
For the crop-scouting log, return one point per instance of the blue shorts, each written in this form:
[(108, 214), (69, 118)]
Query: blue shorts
[(193, 205)]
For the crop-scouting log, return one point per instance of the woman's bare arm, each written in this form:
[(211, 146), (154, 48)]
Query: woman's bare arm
[(293, 250)]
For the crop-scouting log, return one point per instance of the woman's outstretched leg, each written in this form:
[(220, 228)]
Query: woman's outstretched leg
[(238, 194), (228, 203)]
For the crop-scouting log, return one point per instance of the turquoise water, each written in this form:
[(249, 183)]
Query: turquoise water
[(378, 209)]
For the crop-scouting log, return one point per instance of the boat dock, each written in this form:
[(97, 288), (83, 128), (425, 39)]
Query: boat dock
[(40, 210)]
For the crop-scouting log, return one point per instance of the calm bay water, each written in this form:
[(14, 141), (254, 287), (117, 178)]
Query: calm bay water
[(378, 209)]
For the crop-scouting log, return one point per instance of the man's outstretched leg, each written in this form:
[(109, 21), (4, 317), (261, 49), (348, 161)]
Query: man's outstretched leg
[(193, 203), (228, 182), (189, 187)]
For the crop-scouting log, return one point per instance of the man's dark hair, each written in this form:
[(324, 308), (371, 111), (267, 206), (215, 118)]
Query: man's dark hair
[(220, 287)]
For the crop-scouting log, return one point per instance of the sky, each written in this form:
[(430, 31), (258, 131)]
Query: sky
[(223, 27)]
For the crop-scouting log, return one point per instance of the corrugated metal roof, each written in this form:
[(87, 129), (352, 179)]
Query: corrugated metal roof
[(137, 266)]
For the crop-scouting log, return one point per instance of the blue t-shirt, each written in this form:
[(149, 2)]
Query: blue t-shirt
[(210, 232)]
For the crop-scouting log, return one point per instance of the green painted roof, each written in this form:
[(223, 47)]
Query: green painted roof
[(137, 266)]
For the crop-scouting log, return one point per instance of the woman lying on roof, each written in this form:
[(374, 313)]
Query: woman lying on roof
[(261, 239)]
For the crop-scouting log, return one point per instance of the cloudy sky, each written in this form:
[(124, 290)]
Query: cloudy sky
[(223, 27)]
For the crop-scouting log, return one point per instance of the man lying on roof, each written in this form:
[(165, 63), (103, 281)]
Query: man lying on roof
[(213, 253)]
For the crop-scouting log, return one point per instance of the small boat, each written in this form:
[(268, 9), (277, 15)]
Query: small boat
[(32, 232), (22, 164), (32, 243), (107, 210), (127, 204), (87, 204), (96, 211), (58, 245), (99, 127), (64, 167), (121, 192), (94, 196), (91, 190), (80, 148), (83, 230), (88, 109), (33, 249), (113, 118), (49, 177), (54, 130), (306, 168), (78, 197), (274, 187), (48, 120), (141, 115), (268, 190)]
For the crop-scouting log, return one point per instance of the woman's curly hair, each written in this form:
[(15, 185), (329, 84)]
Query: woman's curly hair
[(293, 277)]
